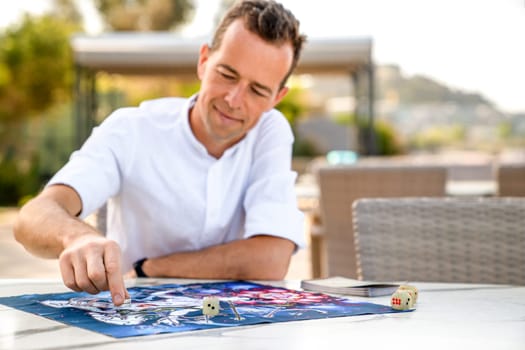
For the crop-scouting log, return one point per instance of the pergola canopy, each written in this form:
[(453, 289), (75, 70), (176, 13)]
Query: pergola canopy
[(151, 53)]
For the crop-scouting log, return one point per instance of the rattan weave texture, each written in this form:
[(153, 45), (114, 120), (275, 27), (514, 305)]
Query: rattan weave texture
[(473, 240)]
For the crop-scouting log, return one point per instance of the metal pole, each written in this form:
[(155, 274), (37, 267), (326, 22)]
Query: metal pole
[(92, 106), (361, 137), (372, 144), (77, 105)]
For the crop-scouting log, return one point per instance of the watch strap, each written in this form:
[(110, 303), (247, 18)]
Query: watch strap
[(137, 266)]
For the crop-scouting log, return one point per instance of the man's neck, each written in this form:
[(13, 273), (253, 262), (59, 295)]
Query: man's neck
[(215, 148)]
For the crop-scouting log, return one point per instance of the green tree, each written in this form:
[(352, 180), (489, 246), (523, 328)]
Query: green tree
[(387, 140), (36, 73), (66, 11), (439, 136), (144, 15), (36, 67), (293, 107)]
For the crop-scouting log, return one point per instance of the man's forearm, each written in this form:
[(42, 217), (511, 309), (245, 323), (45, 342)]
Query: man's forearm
[(257, 258), (45, 225)]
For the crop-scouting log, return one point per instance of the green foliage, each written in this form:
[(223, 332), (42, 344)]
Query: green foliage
[(36, 73), (9, 180), (26, 166), (189, 88), (16, 181), (144, 15), (387, 140), (116, 91), (438, 137), (52, 135), (35, 66), (504, 130), (291, 105), (67, 11), (304, 148), (346, 119)]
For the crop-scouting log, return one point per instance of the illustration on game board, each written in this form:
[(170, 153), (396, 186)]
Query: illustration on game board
[(178, 307)]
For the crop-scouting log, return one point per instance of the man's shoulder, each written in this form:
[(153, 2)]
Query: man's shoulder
[(273, 121), (163, 106), (158, 113)]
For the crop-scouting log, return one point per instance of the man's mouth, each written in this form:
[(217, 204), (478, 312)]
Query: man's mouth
[(228, 117)]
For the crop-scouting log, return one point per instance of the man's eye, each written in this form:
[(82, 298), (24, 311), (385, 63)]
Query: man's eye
[(227, 76), (258, 92)]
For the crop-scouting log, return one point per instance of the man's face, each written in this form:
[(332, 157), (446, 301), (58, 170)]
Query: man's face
[(240, 81)]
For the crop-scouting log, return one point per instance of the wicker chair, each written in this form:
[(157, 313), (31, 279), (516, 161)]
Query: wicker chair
[(340, 186), (511, 180), (472, 240)]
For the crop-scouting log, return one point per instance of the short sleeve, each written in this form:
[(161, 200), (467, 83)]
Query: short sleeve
[(95, 171), (271, 202)]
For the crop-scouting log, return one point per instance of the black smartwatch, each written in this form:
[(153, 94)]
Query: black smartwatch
[(137, 266)]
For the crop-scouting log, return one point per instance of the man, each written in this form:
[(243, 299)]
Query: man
[(198, 187)]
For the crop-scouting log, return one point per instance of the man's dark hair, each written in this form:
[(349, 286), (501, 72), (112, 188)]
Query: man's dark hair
[(267, 19)]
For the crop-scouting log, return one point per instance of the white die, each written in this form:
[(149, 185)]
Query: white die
[(402, 300), (413, 290), (210, 306)]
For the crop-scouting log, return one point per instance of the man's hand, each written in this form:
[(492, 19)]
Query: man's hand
[(48, 226), (91, 263)]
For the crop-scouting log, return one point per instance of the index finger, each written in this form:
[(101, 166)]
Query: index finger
[(114, 274)]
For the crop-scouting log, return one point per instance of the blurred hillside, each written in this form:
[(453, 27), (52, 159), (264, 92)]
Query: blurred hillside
[(428, 114), (423, 115)]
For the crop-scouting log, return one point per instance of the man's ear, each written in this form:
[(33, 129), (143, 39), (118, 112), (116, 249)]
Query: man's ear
[(204, 54), (280, 95)]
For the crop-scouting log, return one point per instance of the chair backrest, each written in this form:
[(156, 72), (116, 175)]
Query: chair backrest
[(340, 186), (511, 180), (473, 240)]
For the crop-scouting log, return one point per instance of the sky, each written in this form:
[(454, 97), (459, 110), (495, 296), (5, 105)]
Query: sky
[(477, 46)]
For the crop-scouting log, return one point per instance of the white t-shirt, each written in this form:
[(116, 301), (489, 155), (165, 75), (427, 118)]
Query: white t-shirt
[(167, 194)]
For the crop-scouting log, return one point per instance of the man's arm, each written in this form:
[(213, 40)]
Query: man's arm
[(47, 226), (48, 221), (260, 257)]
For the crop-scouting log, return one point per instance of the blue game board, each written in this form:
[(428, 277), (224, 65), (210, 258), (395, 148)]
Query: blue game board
[(170, 308)]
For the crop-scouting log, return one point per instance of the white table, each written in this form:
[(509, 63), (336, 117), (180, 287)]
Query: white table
[(448, 316)]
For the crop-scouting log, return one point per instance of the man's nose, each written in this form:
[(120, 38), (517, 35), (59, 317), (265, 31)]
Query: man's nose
[(235, 96)]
